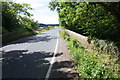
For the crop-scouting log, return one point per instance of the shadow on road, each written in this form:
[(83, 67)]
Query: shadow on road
[(33, 39), (60, 71), (21, 65)]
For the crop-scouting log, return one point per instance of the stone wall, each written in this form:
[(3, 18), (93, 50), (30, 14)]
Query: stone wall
[(85, 41)]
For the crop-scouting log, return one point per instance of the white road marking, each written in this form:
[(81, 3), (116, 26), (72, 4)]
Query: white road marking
[(52, 61)]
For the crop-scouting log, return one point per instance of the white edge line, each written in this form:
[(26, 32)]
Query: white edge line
[(52, 61)]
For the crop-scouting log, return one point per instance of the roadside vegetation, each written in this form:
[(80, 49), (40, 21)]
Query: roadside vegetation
[(43, 29), (100, 22), (96, 63), (17, 22), (15, 17)]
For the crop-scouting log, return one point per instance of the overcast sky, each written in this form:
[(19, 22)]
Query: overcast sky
[(41, 11)]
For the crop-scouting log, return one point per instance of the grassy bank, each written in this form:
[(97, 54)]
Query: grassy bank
[(43, 29), (21, 33), (95, 63), (14, 35)]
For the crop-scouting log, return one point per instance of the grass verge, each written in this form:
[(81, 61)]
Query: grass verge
[(42, 29), (92, 63), (12, 36)]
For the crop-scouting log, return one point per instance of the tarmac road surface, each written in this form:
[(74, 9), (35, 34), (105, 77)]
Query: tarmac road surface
[(30, 57)]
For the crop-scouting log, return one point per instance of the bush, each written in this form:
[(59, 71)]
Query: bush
[(106, 47)]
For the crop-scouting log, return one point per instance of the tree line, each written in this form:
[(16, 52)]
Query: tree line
[(94, 19), (16, 17)]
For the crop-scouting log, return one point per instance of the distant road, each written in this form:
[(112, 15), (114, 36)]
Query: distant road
[(30, 57)]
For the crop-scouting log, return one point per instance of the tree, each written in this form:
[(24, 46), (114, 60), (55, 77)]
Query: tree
[(113, 8), (88, 18), (16, 16)]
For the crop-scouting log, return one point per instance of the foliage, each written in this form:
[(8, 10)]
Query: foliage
[(43, 29), (97, 20), (28, 23), (15, 16), (92, 64), (88, 18), (105, 46)]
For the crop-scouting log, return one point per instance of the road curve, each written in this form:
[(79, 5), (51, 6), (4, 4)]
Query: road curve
[(29, 57)]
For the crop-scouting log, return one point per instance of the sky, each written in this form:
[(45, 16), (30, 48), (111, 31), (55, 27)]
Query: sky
[(41, 11)]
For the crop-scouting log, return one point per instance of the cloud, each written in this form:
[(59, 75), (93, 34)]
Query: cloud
[(41, 11), (34, 3), (37, 5), (46, 19)]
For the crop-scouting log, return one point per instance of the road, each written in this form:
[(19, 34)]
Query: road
[(33, 57), (29, 57)]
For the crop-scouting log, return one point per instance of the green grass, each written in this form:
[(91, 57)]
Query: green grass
[(45, 29), (91, 63), (11, 36)]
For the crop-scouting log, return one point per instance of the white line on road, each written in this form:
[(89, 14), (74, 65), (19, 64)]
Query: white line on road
[(52, 61)]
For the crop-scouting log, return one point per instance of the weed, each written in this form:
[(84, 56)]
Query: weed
[(94, 64)]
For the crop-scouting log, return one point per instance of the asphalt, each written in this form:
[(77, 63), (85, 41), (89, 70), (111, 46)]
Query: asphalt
[(29, 57)]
